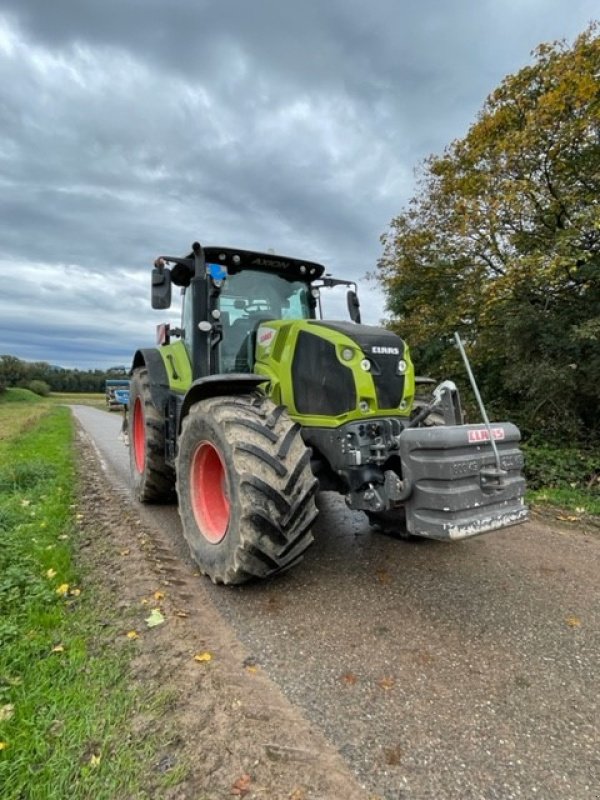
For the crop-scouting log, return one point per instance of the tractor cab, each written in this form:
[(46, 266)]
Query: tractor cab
[(250, 298), (228, 294)]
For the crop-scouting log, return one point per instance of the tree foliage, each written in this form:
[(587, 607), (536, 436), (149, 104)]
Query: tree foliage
[(502, 243), (14, 372)]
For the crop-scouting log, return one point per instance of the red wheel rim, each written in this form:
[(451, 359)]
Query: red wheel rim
[(139, 436), (209, 492)]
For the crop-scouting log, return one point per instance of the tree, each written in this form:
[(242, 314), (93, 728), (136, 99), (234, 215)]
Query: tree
[(502, 242)]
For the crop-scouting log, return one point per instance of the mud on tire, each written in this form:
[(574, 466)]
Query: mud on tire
[(246, 490), (153, 481)]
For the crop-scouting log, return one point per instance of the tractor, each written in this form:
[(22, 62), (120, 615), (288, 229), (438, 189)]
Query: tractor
[(255, 404)]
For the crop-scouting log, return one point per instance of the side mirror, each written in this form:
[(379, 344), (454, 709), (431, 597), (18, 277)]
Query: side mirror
[(353, 306), (161, 287)]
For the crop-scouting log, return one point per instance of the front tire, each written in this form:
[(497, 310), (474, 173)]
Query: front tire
[(246, 490), (153, 481)]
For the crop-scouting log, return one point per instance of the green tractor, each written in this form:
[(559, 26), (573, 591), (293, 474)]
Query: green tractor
[(259, 404)]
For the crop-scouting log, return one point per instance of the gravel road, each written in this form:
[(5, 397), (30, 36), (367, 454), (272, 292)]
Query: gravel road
[(464, 670)]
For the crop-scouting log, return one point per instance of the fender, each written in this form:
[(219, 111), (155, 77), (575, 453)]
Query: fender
[(216, 385), (159, 380)]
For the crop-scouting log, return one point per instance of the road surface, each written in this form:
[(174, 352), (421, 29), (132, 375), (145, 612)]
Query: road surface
[(463, 670)]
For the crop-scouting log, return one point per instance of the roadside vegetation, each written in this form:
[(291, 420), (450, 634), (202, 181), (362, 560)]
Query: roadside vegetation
[(65, 699), (501, 243)]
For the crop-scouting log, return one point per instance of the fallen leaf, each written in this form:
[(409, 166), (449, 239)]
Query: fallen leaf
[(63, 536), (95, 760), (567, 518), (6, 712), (393, 755), (573, 621), (206, 656), (3, 745), (56, 728), (159, 595), (155, 618), (349, 678), (241, 786), (75, 592), (181, 614), (124, 552), (58, 648), (383, 576), (252, 669), (387, 682), (63, 589), (51, 573), (298, 794), (78, 516), (25, 503), (133, 635), (144, 601)]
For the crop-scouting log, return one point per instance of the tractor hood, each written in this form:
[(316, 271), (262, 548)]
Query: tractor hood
[(372, 340), (335, 371)]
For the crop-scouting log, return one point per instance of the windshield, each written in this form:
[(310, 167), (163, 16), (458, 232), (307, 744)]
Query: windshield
[(247, 298)]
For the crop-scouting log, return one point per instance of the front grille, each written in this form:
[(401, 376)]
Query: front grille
[(389, 384), (322, 385)]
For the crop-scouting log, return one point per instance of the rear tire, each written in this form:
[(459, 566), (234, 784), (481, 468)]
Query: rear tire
[(153, 481), (246, 490)]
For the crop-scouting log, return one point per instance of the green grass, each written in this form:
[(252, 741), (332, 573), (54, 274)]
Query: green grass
[(65, 702), (577, 502), (18, 396)]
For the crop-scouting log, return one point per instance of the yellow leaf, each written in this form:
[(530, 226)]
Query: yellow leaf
[(203, 656), (25, 503), (155, 618), (241, 787), (58, 648), (159, 595), (94, 760), (3, 745), (252, 668), (387, 682), (133, 635), (573, 622), (124, 552), (51, 573), (6, 712), (63, 589), (75, 592)]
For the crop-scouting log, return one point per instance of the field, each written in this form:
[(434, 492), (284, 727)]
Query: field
[(65, 701), (85, 399)]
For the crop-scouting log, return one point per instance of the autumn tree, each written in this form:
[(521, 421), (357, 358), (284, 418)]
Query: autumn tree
[(502, 243)]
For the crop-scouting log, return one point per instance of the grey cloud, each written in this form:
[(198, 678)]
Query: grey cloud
[(128, 129)]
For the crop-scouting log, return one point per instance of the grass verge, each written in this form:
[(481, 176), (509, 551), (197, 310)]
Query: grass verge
[(65, 702)]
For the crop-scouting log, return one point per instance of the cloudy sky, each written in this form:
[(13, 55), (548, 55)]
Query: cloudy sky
[(130, 128)]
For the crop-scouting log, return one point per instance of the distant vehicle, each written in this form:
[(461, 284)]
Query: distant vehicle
[(117, 394)]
